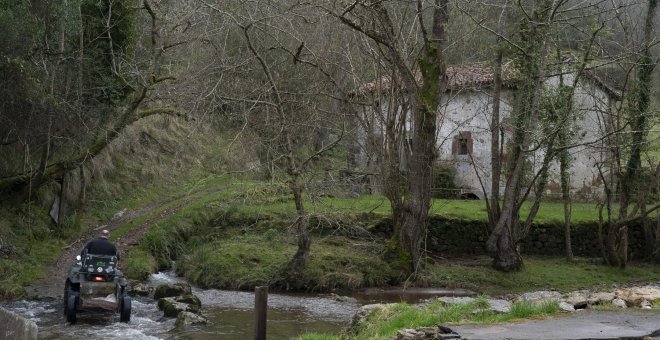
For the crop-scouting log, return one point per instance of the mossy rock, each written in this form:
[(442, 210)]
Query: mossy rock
[(169, 290), (140, 289), (172, 306), (190, 319), (190, 299)]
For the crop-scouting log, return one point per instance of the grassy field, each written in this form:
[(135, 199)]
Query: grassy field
[(262, 214), (240, 238), (461, 209), (539, 273)]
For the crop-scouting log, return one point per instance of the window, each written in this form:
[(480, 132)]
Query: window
[(462, 144)]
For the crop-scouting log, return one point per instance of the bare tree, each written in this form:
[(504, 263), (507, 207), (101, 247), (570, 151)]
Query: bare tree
[(418, 67), (284, 103), (630, 180)]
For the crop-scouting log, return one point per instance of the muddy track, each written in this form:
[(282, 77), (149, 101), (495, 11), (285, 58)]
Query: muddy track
[(52, 285)]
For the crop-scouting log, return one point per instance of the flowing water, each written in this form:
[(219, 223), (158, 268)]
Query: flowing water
[(230, 314)]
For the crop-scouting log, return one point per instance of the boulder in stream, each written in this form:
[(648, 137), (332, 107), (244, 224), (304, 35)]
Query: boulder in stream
[(172, 306), (190, 319), (169, 290), (140, 289)]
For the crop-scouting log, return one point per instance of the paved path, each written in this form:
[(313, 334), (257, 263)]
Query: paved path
[(628, 324)]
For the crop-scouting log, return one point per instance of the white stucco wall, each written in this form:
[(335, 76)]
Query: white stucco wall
[(470, 110), (592, 107)]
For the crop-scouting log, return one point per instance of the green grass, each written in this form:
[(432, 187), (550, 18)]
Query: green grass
[(539, 273), (243, 261), (384, 322), (318, 336), (138, 264), (238, 239), (213, 192), (460, 209), (33, 245), (240, 243), (16, 274), (239, 262)]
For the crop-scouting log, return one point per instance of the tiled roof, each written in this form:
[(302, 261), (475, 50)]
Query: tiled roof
[(608, 87), (459, 76), (476, 75)]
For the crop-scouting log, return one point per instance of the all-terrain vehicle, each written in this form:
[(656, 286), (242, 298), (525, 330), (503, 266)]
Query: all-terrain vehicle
[(95, 283)]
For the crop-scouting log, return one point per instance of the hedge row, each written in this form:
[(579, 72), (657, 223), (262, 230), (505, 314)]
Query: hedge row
[(454, 236)]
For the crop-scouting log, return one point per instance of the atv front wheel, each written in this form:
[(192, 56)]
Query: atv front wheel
[(70, 309)]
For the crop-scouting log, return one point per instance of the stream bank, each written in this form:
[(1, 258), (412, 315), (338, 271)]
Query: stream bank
[(230, 314)]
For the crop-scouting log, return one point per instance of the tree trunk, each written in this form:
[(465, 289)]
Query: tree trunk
[(416, 207), (566, 198), (35, 180), (495, 151), (495, 126), (656, 249), (410, 214), (425, 116), (62, 201), (299, 260), (82, 195), (649, 234), (502, 244), (506, 257), (655, 225), (618, 235)]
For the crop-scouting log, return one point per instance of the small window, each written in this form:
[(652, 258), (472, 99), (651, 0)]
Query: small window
[(462, 146), (462, 143)]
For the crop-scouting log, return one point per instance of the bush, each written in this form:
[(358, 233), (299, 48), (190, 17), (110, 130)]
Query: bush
[(238, 263), (139, 264), (444, 185)]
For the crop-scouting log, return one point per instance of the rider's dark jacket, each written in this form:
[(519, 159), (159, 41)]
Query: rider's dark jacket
[(101, 246)]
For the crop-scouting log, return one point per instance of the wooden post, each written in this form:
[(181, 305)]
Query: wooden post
[(260, 308)]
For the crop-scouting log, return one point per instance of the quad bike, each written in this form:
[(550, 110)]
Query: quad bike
[(94, 283)]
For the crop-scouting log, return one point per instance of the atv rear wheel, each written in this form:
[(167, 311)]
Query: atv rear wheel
[(65, 304), (125, 309), (69, 290)]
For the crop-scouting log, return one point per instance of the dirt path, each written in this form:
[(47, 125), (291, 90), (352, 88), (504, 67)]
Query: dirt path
[(52, 285)]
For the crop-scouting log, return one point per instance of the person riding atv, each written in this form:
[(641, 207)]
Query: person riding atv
[(95, 283), (101, 246)]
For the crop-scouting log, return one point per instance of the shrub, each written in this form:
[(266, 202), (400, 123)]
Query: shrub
[(139, 264), (444, 185)]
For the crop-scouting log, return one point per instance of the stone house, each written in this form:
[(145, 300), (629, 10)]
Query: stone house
[(464, 134)]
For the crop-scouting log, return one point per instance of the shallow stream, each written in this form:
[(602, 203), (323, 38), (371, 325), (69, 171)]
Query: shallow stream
[(230, 314)]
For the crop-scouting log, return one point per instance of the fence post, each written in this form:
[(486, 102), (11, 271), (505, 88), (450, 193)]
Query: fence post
[(260, 308)]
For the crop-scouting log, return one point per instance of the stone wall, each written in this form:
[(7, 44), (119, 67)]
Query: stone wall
[(13, 326), (461, 237)]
